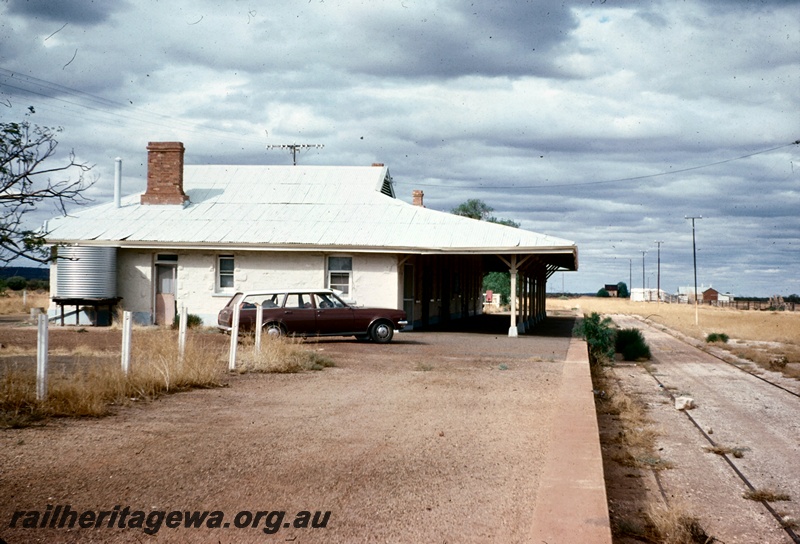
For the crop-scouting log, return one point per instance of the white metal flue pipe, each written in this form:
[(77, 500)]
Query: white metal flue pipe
[(117, 182)]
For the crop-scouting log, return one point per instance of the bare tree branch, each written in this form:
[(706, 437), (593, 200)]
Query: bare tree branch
[(25, 184)]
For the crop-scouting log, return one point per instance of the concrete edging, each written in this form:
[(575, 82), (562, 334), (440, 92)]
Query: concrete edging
[(571, 504)]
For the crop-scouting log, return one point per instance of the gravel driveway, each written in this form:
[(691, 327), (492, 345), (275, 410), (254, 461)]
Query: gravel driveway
[(437, 437)]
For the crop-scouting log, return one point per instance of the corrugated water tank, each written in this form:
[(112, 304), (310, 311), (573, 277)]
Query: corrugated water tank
[(86, 272)]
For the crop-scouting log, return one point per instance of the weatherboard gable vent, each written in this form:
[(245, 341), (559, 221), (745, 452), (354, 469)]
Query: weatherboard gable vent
[(387, 187)]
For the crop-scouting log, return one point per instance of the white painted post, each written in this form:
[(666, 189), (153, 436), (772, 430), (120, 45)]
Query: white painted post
[(234, 337), (41, 358), (127, 327), (182, 325), (259, 324), (24, 298), (512, 330)]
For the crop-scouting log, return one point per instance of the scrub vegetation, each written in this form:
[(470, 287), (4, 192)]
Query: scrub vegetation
[(280, 355), (13, 302), (770, 339), (90, 383), (628, 438), (631, 344)]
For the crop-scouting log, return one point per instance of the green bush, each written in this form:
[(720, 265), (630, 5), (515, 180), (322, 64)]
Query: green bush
[(603, 293), (16, 283), (717, 337), (37, 285), (192, 320), (599, 336), (631, 344)]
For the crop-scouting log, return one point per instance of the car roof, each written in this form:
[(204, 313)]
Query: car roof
[(284, 291)]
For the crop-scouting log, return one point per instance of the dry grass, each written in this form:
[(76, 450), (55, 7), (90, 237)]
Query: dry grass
[(281, 355), (93, 382), (636, 437), (673, 525), (736, 451), (12, 302), (769, 339), (766, 495)]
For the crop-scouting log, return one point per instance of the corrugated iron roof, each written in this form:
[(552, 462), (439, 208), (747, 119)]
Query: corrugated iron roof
[(294, 207)]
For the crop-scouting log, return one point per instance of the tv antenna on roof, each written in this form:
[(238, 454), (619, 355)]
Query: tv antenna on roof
[(293, 148)]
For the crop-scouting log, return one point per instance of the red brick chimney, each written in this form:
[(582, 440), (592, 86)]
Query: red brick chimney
[(417, 195), (164, 174)]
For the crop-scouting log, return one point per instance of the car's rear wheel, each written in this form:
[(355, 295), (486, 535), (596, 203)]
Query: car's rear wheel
[(274, 330), (382, 332)]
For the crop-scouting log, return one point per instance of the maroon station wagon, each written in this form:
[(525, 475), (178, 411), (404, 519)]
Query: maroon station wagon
[(313, 312)]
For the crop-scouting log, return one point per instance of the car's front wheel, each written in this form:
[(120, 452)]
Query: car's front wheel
[(274, 330), (382, 332)]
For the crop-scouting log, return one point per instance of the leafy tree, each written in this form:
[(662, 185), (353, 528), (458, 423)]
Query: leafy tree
[(478, 209), (474, 209), (26, 183), (603, 293), (498, 282), (506, 222), (622, 290)]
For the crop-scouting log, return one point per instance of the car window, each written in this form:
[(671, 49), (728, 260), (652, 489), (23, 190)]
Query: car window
[(298, 301), (272, 302), (324, 300)]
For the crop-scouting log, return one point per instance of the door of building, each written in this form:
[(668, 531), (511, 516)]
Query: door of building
[(166, 287)]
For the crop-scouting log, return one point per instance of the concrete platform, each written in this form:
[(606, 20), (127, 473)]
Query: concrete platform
[(571, 505)]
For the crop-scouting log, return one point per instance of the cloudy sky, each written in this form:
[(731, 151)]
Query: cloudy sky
[(604, 122)]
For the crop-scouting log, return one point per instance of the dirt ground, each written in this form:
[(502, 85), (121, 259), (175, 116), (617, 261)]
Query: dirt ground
[(733, 410), (436, 437)]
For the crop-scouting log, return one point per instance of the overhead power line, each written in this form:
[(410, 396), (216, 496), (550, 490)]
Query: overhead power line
[(120, 110), (608, 181)]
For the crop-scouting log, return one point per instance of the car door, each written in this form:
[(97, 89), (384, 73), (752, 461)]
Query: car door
[(247, 315), (333, 316), (299, 314)]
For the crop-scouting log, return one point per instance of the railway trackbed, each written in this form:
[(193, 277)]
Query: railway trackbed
[(756, 416)]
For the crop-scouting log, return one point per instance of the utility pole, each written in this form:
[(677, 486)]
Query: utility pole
[(293, 148), (694, 259), (644, 252), (658, 287), (630, 277)]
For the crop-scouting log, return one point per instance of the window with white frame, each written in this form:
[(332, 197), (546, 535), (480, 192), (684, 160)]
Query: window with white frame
[(225, 268), (340, 274)]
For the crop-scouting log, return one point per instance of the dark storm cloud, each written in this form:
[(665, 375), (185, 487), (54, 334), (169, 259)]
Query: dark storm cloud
[(497, 38), (80, 12)]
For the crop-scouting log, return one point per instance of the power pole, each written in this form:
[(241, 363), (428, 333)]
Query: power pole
[(694, 259), (658, 287), (293, 148), (644, 252)]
